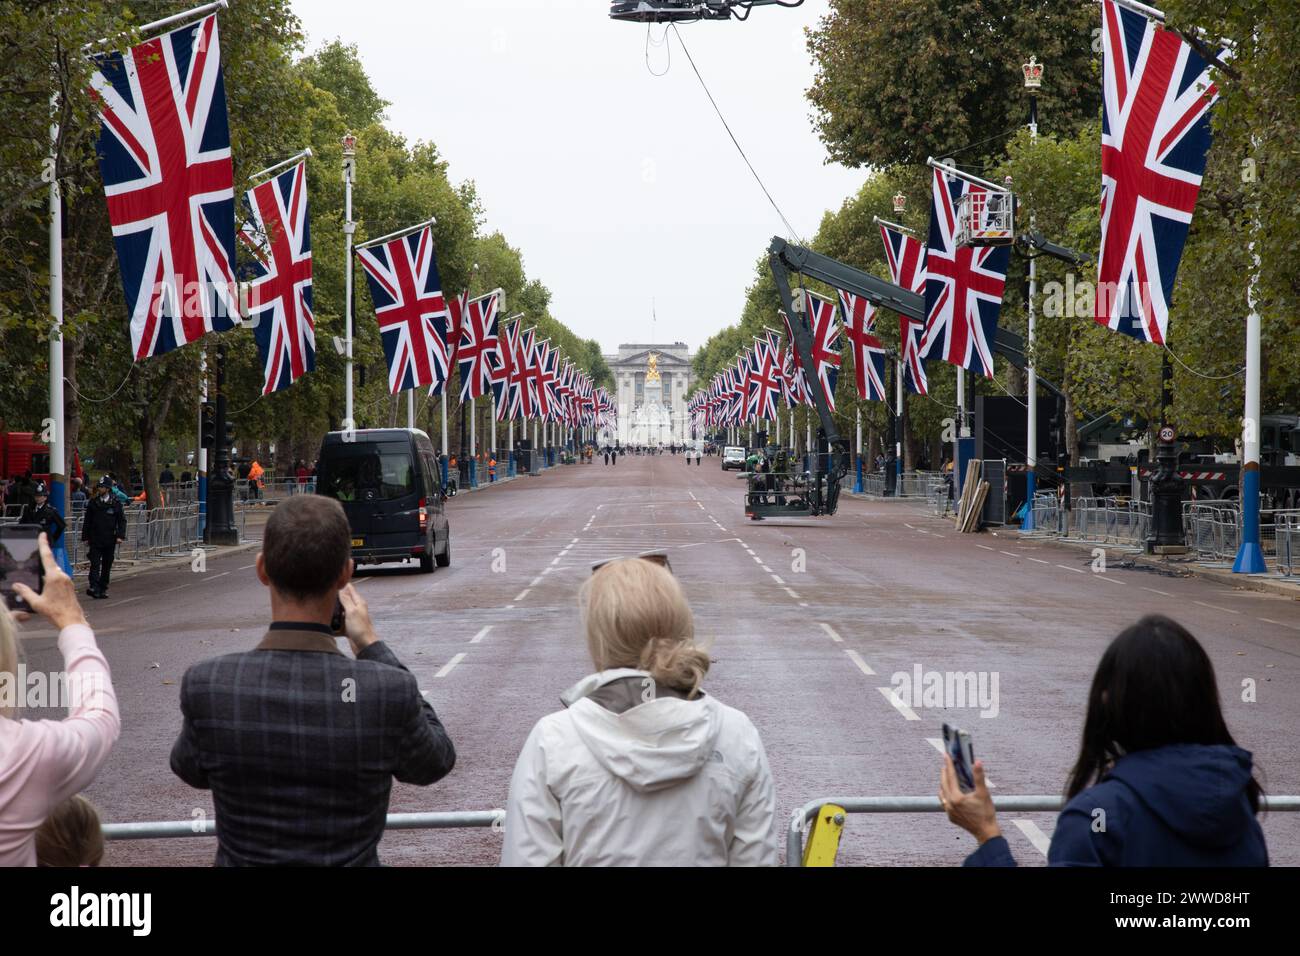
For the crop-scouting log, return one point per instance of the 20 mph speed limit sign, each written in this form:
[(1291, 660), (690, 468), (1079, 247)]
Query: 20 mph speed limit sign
[(1167, 434)]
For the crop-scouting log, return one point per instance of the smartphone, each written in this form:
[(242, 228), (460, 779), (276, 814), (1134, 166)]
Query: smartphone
[(20, 561), (957, 744), (336, 622)]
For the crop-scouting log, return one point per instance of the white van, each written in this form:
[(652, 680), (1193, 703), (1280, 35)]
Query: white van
[(733, 456)]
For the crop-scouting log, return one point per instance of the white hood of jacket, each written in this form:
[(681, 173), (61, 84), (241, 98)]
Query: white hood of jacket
[(633, 775), (657, 743)]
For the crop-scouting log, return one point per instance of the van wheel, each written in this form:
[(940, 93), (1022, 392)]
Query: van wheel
[(426, 564), (444, 559)]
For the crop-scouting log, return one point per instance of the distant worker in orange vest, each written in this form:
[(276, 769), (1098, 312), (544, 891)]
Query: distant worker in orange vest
[(255, 471), (492, 469)]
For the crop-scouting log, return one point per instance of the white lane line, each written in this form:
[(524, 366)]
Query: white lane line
[(1010, 554), (177, 588), (522, 594), (1040, 561), (1075, 570), (554, 561), (856, 658), (1155, 591), (510, 607), (985, 547), (766, 568), (446, 668), (803, 603), (1102, 577), (1036, 836), (891, 695), (480, 635), (245, 567), (125, 601), (791, 592), (920, 531), (937, 744), (1266, 620), (1215, 607), (212, 577), (831, 632), (758, 560), (574, 541), (776, 578), (536, 581), (750, 551)]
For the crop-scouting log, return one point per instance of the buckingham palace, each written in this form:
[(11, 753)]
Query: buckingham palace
[(651, 383)]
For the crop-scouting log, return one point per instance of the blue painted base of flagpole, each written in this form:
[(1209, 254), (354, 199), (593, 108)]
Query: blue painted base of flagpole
[(510, 466), (1031, 484), (442, 464), (857, 481), (58, 502), (473, 473), (1250, 558)]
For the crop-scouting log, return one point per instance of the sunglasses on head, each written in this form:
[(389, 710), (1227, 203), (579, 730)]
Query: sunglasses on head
[(654, 557)]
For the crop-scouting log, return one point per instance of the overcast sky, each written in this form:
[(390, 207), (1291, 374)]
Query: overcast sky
[(619, 187)]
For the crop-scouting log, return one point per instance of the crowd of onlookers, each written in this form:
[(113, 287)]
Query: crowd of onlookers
[(300, 742)]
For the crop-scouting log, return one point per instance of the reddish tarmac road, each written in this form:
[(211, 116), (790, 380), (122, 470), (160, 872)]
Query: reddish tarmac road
[(809, 620)]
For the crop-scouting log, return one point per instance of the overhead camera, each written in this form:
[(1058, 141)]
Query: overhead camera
[(686, 11)]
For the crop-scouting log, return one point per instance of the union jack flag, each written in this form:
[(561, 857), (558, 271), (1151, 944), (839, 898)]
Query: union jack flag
[(411, 309), (825, 342), (479, 345), (764, 382), (526, 372), (279, 295), (504, 380), (548, 374), (963, 285), (906, 257), (1155, 133), (164, 154), (859, 317), (792, 374)]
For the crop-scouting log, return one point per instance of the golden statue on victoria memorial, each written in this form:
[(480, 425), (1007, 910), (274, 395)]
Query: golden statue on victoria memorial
[(652, 368)]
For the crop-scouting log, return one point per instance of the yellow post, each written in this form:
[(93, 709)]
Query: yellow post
[(824, 836)]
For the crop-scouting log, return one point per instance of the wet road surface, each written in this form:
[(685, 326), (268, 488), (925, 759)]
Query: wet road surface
[(811, 622)]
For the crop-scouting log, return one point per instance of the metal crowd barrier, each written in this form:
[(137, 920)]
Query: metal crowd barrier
[(1123, 521), (801, 819), (1287, 542), (174, 829)]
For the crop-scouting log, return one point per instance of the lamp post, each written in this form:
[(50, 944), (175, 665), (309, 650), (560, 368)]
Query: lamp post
[(1033, 71)]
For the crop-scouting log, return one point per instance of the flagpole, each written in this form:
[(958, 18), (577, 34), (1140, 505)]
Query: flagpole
[(58, 452), (410, 408), (1250, 557), (201, 457), (1033, 80), (349, 227), (166, 21), (473, 445)]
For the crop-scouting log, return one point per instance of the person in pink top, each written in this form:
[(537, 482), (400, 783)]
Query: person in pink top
[(43, 762)]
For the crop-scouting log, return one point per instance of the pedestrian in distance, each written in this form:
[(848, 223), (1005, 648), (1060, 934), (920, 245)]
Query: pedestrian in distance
[(606, 457), (41, 512), (1159, 780), (613, 455), (642, 768), (492, 469), (298, 742), (78, 496), (103, 528), (45, 762)]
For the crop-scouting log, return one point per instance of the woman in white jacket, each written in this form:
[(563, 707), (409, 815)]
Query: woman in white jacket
[(642, 768)]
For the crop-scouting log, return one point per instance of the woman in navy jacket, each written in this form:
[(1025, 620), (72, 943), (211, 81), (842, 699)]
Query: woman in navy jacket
[(1159, 780)]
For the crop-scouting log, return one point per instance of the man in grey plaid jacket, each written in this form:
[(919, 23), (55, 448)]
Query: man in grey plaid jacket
[(299, 742)]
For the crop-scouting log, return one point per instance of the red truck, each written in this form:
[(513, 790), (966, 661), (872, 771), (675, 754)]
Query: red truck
[(20, 452)]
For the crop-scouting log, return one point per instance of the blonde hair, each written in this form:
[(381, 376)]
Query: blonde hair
[(636, 616), (8, 661), (71, 835)]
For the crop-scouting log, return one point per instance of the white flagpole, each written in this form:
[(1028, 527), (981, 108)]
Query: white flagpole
[(58, 453), (349, 227), (443, 399), (473, 442), (410, 408)]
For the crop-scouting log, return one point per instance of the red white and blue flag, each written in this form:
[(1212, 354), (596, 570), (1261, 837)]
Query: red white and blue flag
[(906, 257), (764, 382), (479, 345), (793, 378), (1155, 133), (963, 285), (411, 310), (277, 231), (825, 342), (164, 154), (548, 375), (859, 317), (504, 380)]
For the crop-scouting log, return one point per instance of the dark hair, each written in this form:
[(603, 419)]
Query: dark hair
[(306, 546), (71, 835), (1154, 687)]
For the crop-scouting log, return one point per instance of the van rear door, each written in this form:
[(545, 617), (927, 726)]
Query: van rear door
[(376, 484)]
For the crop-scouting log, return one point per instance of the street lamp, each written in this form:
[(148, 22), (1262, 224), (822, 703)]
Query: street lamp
[(349, 227), (1033, 72)]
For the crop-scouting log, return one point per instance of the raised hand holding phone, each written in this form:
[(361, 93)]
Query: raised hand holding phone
[(57, 600)]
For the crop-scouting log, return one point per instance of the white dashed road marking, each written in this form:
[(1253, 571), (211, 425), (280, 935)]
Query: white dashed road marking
[(480, 635), (831, 632), (1037, 837), (446, 668), (891, 695), (1215, 607), (522, 594), (1075, 570), (856, 658)]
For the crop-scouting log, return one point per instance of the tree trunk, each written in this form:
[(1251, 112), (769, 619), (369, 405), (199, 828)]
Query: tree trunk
[(153, 413), (1071, 431), (910, 444)]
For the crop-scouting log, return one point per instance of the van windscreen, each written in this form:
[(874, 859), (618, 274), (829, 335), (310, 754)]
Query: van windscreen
[(368, 473)]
